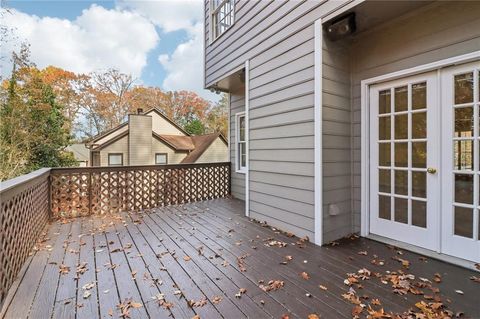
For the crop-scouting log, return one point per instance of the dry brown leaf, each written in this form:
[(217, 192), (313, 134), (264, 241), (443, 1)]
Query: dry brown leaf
[(357, 310), (305, 275), (322, 287), (313, 316), (216, 299), (187, 258), (64, 269)]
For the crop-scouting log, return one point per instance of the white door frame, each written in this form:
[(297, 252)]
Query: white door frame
[(365, 122)]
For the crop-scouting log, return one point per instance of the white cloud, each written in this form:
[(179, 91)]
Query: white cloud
[(170, 15), (97, 39), (184, 67)]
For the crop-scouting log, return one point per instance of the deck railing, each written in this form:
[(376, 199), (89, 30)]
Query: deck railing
[(98, 190), (24, 214), (29, 201)]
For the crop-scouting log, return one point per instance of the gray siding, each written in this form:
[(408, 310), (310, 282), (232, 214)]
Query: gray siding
[(281, 135), (260, 26), (439, 31), (336, 141), (278, 39), (237, 104)]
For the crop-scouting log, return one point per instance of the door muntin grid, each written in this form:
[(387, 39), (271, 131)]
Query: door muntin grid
[(466, 147), (402, 154)]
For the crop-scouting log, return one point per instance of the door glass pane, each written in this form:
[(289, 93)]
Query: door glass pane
[(419, 154), (419, 184), (419, 125), (384, 102), (463, 155), (419, 96), (463, 222), (464, 88), (384, 128), (401, 126), (401, 182), (384, 180), (401, 210), (384, 210), (401, 154), (419, 213), (401, 99), (464, 122), (384, 158), (464, 188)]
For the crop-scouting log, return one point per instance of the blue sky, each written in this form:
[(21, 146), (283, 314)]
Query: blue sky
[(158, 42)]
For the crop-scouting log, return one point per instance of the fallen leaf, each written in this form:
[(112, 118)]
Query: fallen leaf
[(322, 287), (216, 299), (459, 292), (364, 253), (313, 316), (86, 294), (305, 275), (200, 303), (186, 258), (357, 310), (64, 269)]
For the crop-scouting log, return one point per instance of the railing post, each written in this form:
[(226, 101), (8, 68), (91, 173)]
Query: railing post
[(89, 189)]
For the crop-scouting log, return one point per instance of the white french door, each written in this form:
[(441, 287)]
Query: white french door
[(404, 158), (425, 160), (461, 167)]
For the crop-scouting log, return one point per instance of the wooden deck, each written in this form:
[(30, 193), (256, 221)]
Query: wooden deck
[(206, 260)]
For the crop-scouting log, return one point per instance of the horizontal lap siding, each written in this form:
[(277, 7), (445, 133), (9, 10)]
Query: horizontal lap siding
[(281, 159), (438, 32), (259, 26), (336, 142), (277, 37), (237, 104)]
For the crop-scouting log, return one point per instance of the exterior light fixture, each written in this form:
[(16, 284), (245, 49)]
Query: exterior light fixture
[(341, 27)]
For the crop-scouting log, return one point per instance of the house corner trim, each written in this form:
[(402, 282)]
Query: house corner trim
[(318, 171)]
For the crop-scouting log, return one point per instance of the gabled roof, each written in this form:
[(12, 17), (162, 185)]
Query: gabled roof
[(177, 142), (201, 142), (156, 110)]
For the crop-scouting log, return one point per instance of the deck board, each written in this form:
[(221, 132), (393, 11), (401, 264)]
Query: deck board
[(156, 253)]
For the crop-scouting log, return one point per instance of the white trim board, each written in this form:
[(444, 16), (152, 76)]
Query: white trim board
[(247, 137), (318, 171), (365, 142)]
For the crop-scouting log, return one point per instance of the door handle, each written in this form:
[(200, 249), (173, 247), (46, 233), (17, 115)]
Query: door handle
[(431, 170)]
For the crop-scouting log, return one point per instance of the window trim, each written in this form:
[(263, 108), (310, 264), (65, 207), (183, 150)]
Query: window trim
[(166, 158), (213, 11), (115, 154), (238, 168)]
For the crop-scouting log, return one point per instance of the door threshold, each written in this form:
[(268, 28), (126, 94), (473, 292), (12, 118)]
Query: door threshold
[(426, 252)]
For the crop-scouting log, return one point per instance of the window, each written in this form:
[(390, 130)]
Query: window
[(241, 144), (222, 16), (115, 159), (161, 158)]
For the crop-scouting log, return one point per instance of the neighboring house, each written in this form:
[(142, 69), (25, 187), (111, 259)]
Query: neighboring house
[(80, 152), (151, 138), (354, 116)]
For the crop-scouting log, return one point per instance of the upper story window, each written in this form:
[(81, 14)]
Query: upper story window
[(222, 16)]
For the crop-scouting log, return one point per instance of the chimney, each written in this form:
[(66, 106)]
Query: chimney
[(139, 110), (140, 139)]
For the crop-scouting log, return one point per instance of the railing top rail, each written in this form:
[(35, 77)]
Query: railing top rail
[(132, 168), (23, 180)]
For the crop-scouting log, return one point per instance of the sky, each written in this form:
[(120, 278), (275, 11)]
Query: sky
[(159, 42)]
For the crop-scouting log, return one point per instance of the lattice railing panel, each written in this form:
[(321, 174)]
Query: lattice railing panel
[(24, 214), (100, 190)]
